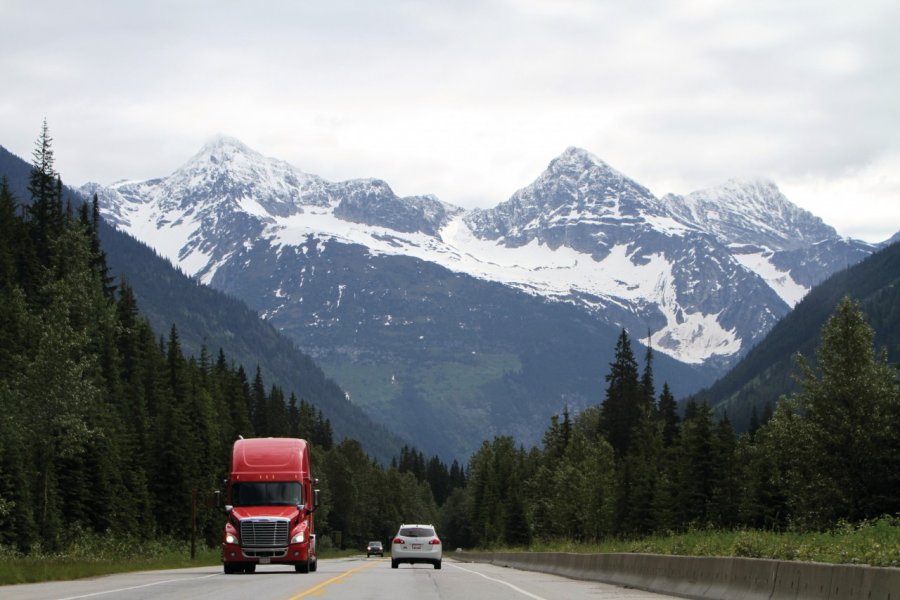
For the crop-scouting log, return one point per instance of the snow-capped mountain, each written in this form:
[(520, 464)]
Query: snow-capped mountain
[(485, 321), (707, 273)]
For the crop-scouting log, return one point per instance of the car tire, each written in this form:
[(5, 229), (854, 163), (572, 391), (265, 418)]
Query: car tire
[(394, 564), (437, 564)]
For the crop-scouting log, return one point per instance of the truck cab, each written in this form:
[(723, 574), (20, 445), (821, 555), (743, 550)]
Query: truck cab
[(270, 500)]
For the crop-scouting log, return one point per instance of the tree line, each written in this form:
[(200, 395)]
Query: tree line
[(634, 465)]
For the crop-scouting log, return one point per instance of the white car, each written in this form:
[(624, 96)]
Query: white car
[(416, 544)]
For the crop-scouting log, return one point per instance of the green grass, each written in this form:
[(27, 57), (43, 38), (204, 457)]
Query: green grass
[(93, 559), (875, 543), (95, 555)]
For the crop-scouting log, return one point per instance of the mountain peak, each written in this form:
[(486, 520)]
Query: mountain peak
[(578, 158), (222, 147), (752, 211)]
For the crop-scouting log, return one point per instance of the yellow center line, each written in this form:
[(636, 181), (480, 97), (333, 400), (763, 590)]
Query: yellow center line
[(316, 589)]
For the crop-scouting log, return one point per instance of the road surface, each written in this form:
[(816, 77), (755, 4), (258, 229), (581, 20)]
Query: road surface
[(337, 579)]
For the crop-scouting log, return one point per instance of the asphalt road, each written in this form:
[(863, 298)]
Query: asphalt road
[(338, 579)]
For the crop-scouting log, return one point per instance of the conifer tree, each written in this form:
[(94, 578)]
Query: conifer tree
[(259, 405), (838, 438), (621, 408), (9, 231), (668, 412), (46, 211), (696, 465)]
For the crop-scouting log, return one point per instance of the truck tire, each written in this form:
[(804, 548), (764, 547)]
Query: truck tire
[(229, 568), (314, 566), (302, 567)]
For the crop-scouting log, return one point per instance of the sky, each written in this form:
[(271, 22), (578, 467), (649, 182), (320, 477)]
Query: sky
[(470, 100)]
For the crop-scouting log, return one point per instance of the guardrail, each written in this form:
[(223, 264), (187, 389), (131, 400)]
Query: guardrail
[(709, 578)]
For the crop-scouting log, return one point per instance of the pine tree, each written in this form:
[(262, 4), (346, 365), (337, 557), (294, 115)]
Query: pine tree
[(91, 223), (46, 211), (696, 471), (838, 437), (9, 231), (668, 412), (259, 403), (621, 408)]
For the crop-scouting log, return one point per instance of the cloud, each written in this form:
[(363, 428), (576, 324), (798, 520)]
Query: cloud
[(467, 99)]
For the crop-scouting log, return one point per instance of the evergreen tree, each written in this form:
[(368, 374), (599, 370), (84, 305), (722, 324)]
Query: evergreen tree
[(668, 412), (259, 405), (91, 223), (696, 466), (838, 436), (9, 230), (621, 408), (46, 211)]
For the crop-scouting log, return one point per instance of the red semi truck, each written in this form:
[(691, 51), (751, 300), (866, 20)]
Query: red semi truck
[(270, 501)]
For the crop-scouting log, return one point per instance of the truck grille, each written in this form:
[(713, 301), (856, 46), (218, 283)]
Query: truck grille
[(264, 533)]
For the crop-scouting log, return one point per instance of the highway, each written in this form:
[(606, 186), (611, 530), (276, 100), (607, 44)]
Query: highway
[(337, 579)]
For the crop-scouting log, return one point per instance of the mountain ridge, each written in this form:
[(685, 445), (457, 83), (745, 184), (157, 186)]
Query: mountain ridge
[(579, 203)]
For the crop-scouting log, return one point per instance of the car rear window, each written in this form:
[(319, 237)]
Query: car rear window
[(417, 532)]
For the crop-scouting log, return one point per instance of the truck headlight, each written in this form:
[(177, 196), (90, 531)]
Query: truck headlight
[(230, 538), (298, 538)]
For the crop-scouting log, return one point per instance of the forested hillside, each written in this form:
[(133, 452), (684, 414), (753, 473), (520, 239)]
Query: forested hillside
[(756, 383), (106, 426), (633, 466)]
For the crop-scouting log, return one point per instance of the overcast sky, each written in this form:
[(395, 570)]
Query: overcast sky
[(470, 100)]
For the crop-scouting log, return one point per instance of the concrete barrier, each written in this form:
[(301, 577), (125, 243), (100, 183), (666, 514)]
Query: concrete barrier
[(709, 578)]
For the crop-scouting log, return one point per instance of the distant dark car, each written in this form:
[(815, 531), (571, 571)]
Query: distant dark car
[(374, 548)]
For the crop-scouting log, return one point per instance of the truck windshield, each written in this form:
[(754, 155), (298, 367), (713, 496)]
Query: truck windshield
[(266, 493)]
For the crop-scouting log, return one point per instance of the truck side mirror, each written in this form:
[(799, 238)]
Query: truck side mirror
[(315, 498)]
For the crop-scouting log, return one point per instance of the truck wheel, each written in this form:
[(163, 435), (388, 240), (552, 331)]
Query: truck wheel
[(251, 568), (314, 566), (230, 569), (302, 567)]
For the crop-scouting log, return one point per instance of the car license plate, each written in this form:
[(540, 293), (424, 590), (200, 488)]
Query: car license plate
[(264, 560), (417, 546)]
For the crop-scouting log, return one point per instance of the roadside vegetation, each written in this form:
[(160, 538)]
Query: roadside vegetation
[(875, 543), (90, 555)]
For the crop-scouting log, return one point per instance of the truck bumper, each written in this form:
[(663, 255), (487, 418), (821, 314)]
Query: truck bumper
[(296, 553)]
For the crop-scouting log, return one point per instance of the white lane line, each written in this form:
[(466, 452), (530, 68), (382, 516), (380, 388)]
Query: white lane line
[(134, 587), (506, 583)]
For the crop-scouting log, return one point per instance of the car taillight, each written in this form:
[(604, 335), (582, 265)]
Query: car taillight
[(435, 542), (398, 540)]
